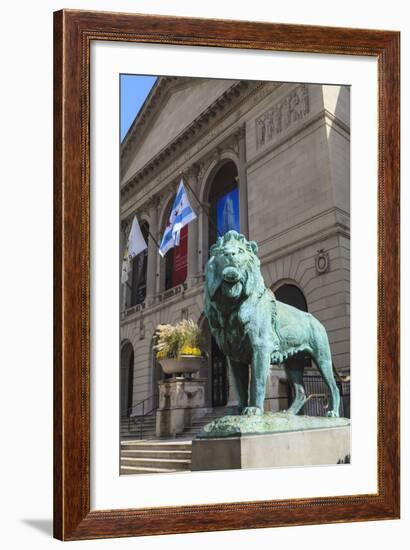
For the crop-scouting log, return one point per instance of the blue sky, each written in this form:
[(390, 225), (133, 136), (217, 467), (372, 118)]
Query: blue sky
[(133, 91)]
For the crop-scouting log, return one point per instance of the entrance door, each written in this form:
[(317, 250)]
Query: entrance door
[(220, 387), (126, 378)]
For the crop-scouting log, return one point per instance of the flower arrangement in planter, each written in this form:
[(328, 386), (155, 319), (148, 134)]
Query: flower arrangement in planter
[(177, 347)]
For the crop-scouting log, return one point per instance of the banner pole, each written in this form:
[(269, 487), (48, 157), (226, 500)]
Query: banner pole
[(204, 209)]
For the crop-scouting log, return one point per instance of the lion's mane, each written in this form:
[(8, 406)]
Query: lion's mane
[(252, 280)]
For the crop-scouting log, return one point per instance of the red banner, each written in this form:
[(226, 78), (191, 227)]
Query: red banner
[(180, 270)]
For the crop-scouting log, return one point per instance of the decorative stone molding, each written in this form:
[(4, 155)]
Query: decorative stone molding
[(220, 108), (322, 262), (141, 212), (248, 95), (283, 114), (240, 132)]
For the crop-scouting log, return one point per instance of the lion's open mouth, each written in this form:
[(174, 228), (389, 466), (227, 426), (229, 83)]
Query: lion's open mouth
[(230, 275), (232, 291), (231, 283)]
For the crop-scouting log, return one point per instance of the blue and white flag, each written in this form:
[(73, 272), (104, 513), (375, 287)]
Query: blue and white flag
[(181, 215)]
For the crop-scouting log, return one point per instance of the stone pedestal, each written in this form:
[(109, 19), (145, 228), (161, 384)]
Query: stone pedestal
[(180, 400), (297, 448)]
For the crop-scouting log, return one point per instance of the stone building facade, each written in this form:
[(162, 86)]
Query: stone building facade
[(284, 150)]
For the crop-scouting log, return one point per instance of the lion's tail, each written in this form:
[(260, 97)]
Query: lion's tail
[(339, 376)]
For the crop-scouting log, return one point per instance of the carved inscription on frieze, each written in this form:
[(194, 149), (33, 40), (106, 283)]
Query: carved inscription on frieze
[(278, 118)]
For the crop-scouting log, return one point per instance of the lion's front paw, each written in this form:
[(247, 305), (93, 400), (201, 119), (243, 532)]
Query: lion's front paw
[(252, 411), (332, 414)]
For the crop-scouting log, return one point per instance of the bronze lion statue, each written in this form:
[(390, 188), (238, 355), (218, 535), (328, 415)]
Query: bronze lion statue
[(254, 329)]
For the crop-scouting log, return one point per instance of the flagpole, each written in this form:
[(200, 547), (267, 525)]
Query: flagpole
[(153, 238), (204, 209)]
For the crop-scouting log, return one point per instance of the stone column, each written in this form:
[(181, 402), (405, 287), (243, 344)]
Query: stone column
[(152, 249), (126, 287), (203, 241), (192, 179), (243, 181), (158, 268), (122, 248)]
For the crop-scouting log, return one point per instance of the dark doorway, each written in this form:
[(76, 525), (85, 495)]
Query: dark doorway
[(139, 271), (293, 296), (126, 379), (130, 382)]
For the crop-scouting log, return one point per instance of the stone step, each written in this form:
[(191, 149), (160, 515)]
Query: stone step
[(142, 435), (156, 453), (128, 470), (168, 463), (149, 424), (139, 430), (141, 444), (148, 418), (138, 426)]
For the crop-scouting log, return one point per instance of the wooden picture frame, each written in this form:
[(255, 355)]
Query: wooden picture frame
[(74, 32)]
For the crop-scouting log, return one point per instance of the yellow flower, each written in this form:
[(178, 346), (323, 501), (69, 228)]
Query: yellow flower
[(187, 350), (162, 354)]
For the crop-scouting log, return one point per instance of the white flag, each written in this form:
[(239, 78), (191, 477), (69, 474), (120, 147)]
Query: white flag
[(135, 245), (136, 241)]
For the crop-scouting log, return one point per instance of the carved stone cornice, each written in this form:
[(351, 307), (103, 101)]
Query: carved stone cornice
[(142, 210), (182, 142), (152, 202), (170, 173), (240, 132)]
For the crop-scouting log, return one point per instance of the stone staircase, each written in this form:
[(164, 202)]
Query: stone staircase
[(143, 428), (153, 455), (148, 456)]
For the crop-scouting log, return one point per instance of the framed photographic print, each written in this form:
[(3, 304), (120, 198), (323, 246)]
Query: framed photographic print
[(224, 192)]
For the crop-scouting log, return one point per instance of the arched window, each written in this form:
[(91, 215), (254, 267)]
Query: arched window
[(139, 271), (176, 259), (291, 295), (127, 378), (224, 202)]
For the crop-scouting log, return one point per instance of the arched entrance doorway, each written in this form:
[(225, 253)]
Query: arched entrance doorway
[(217, 391), (126, 378)]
